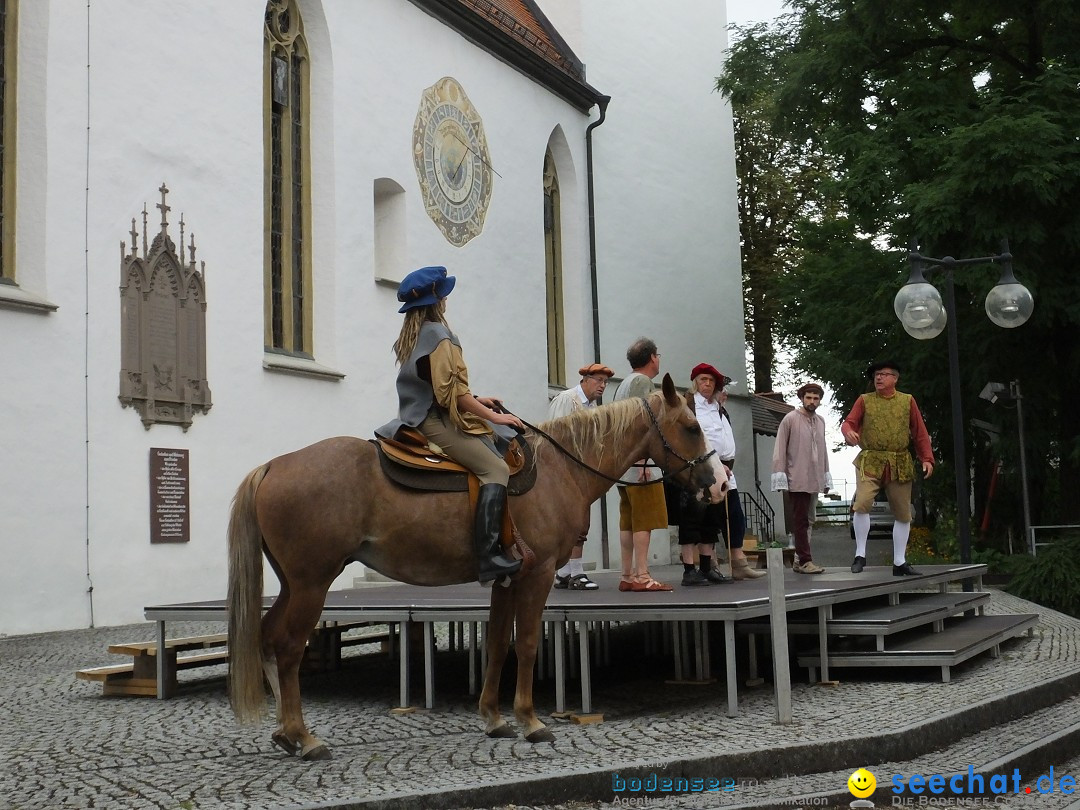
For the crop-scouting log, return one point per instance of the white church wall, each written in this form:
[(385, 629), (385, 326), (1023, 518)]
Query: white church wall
[(175, 95), (666, 210)]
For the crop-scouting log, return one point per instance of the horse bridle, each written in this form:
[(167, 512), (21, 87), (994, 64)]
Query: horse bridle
[(688, 464)]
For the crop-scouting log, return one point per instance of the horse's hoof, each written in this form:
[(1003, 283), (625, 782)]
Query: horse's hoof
[(541, 735), (317, 754), (284, 743), (504, 731)]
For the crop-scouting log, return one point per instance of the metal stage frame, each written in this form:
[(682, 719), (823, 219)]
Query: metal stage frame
[(678, 610)]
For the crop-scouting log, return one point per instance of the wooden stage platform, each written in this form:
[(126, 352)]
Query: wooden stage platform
[(811, 601)]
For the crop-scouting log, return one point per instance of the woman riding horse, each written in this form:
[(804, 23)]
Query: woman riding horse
[(434, 398)]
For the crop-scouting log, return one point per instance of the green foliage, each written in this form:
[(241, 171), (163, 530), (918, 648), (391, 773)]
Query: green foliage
[(998, 562), (954, 123), (1052, 578)]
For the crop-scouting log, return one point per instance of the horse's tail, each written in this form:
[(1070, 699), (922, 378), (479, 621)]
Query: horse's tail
[(246, 693)]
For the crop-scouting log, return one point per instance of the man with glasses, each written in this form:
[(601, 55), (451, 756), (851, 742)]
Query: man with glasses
[(586, 394), (882, 423)]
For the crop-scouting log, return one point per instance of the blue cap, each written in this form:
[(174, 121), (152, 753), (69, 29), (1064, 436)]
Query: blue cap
[(424, 287)]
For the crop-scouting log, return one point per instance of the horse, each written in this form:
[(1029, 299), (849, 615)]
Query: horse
[(315, 510)]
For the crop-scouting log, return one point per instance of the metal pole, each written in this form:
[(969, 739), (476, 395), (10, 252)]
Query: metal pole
[(963, 482), (1028, 536)]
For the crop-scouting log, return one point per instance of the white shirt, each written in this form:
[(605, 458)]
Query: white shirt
[(566, 402), (717, 430)]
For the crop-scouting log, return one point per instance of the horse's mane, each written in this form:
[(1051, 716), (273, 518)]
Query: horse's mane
[(599, 427)]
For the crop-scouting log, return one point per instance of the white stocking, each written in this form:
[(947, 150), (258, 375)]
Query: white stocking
[(565, 570), (900, 532), (576, 566), (861, 522)]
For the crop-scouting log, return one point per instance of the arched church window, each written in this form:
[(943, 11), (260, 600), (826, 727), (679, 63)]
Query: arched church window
[(553, 272), (287, 212)]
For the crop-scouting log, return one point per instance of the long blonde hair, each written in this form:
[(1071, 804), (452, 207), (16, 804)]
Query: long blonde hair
[(410, 328)]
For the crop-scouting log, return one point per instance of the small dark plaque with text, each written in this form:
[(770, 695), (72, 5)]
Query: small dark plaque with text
[(170, 496)]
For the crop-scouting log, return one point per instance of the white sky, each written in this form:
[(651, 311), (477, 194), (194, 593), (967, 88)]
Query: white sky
[(748, 11)]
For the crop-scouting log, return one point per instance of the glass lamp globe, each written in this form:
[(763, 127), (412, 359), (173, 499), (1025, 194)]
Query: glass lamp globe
[(1009, 304), (928, 332), (918, 306)]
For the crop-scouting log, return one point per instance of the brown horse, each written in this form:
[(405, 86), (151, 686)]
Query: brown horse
[(314, 511)]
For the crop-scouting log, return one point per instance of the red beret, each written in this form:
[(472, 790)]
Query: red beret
[(808, 387), (705, 368), (595, 368)]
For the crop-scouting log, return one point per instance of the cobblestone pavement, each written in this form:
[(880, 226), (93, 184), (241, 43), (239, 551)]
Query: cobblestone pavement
[(66, 746)]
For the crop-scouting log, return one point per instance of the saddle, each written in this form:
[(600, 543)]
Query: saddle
[(410, 461)]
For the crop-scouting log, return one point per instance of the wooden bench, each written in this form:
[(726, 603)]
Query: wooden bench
[(140, 676)]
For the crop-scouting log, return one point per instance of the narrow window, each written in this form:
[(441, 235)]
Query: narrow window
[(287, 207), (554, 273)]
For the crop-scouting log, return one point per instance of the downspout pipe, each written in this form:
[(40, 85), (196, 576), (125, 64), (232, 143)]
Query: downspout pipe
[(603, 103), (605, 552)]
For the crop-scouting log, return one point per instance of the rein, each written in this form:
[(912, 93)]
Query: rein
[(688, 464)]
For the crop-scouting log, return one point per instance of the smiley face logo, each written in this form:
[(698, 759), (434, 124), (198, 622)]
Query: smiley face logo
[(861, 783)]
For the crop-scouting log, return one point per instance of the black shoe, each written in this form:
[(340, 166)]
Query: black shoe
[(580, 582), (694, 577), (715, 577), (858, 564), (562, 583), (904, 570), (491, 561)]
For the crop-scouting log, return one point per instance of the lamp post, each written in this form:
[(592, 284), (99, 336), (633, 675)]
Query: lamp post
[(919, 307)]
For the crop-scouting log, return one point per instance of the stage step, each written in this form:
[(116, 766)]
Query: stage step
[(1032, 743), (962, 638), (875, 617)]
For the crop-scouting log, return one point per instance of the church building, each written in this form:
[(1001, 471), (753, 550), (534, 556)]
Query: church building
[(206, 209)]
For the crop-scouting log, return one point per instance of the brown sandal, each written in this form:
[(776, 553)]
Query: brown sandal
[(650, 585)]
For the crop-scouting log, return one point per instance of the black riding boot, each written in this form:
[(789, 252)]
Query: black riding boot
[(491, 561)]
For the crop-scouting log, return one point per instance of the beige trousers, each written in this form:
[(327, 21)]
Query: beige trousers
[(464, 448)]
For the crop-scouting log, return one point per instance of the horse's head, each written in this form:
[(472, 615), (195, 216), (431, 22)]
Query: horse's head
[(678, 445)]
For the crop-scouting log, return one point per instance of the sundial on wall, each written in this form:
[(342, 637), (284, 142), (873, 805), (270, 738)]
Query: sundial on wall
[(452, 161)]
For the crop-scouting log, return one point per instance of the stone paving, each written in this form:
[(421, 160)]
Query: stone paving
[(66, 746)]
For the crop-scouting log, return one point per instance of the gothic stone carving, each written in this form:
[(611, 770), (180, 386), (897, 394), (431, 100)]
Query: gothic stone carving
[(162, 327)]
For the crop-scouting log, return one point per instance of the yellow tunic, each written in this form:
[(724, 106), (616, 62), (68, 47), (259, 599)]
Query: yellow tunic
[(885, 436)]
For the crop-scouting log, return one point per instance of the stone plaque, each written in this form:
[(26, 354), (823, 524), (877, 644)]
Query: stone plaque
[(170, 496), (162, 327)]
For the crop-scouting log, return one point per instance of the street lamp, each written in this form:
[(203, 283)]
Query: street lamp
[(919, 307)]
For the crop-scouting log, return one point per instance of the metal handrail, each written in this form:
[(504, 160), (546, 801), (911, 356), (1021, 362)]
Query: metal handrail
[(759, 514), (1034, 545)]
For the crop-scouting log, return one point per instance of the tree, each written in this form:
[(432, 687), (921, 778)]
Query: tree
[(780, 182), (954, 121)]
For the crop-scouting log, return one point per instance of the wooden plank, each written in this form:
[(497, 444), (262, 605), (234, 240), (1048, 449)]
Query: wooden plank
[(103, 673), (177, 644)]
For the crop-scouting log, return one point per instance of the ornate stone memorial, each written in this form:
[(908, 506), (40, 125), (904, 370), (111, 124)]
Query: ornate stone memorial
[(162, 327)]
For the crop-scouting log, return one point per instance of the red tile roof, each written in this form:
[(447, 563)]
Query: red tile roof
[(525, 22)]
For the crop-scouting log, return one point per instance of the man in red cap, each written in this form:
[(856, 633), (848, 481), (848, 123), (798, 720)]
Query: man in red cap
[(702, 524), (586, 394), (882, 423), (801, 466)]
